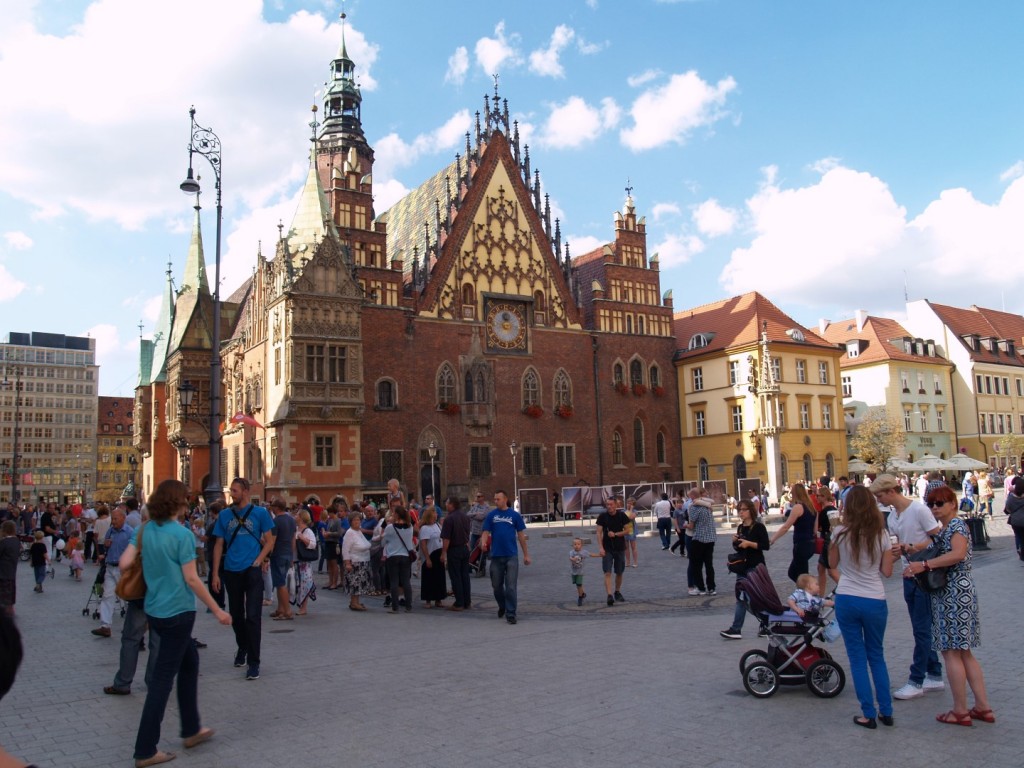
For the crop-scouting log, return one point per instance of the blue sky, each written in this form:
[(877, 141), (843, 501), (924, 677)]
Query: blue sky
[(830, 155)]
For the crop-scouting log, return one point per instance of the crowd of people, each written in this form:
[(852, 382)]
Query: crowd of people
[(252, 557)]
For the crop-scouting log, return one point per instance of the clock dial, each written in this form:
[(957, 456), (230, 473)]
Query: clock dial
[(506, 327)]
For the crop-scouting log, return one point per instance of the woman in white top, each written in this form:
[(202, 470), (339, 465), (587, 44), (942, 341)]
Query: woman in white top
[(433, 587), (860, 549), (306, 587), (355, 559)]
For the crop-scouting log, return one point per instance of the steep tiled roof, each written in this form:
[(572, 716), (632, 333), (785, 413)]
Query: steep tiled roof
[(590, 267), (405, 219), (737, 322), (984, 323), (876, 336), (241, 297)]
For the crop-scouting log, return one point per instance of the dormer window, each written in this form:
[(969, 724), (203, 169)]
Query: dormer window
[(796, 334), (852, 348), (700, 340)]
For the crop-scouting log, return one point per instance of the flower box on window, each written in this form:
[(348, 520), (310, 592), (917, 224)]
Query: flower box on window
[(621, 387), (449, 408), (658, 391), (639, 390), (533, 411), (564, 411)]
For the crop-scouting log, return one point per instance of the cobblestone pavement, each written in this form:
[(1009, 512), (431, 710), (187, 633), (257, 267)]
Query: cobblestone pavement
[(647, 682)]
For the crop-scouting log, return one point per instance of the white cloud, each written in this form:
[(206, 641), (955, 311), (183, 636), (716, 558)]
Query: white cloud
[(544, 61), (114, 354), (576, 122), (635, 81), (668, 113), (664, 210), (713, 220), (18, 241), (846, 229), (458, 66), (1015, 171), (677, 248), (128, 124), (581, 244), (589, 49), (393, 152), (10, 286), (493, 52)]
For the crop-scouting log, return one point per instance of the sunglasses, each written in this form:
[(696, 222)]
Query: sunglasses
[(934, 504)]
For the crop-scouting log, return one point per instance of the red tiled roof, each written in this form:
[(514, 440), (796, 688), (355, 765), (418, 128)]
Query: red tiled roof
[(738, 322), (985, 323), (876, 335)]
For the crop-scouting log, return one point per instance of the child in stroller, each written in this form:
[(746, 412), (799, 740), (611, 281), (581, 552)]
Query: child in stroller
[(792, 657)]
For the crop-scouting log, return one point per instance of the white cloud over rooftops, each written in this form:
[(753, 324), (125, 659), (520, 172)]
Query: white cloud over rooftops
[(545, 61), (458, 66), (576, 122), (714, 220), (668, 113), (17, 241), (492, 53)]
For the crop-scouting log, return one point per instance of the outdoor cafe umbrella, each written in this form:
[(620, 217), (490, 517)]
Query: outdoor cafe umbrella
[(929, 461), (858, 466), (964, 462)]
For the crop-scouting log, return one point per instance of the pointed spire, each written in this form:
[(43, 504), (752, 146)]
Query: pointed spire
[(342, 97), (312, 221), (195, 263), (162, 329)]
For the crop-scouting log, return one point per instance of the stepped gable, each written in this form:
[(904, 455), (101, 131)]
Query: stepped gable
[(588, 268), (737, 321)]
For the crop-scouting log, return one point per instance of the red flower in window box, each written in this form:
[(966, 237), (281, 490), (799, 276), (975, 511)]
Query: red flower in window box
[(658, 391), (564, 411), (450, 408), (621, 388), (639, 390), (533, 411)]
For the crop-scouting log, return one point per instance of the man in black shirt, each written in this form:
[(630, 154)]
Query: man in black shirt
[(611, 526), (455, 551)]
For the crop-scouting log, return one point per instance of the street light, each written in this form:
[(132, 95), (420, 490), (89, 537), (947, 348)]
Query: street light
[(205, 142), (515, 475), (432, 452), (133, 463)]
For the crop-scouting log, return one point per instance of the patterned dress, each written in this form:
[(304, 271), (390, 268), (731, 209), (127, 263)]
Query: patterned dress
[(956, 624)]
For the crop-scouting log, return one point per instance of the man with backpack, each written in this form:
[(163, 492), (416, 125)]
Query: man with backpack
[(245, 538)]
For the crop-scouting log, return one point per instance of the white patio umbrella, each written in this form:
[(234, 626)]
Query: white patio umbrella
[(901, 464), (858, 466), (964, 462), (929, 461)]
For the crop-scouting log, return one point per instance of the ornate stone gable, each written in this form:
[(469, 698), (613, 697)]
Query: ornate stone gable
[(498, 246)]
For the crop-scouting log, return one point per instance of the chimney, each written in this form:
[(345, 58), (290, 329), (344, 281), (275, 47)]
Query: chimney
[(861, 316), (822, 326)]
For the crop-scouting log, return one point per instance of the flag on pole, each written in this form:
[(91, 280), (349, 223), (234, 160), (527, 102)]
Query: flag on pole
[(244, 418)]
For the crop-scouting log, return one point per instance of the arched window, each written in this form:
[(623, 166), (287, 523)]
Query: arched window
[(562, 389), (783, 469), (808, 468), (636, 372), (618, 375), (531, 388), (702, 471), (655, 375), (468, 301), (386, 395), (639, 454), (469, 394), (660, 447), (538, 301), (446, 386), (739, 466), (629, 323), (479, 386), (616, 447), (640, 324), (830, 465), (258, 392)]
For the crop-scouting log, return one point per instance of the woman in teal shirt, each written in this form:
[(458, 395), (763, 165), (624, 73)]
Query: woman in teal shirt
[(172, 584)]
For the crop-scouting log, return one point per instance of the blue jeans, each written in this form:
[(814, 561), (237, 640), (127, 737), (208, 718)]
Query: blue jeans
[(926, 660), (177, 658), (132, 633), (665, 531), (862, 621), (504, 577), (40, 573)]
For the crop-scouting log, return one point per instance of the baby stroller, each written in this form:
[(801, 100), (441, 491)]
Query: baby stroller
[(92, 605), (791, 658)]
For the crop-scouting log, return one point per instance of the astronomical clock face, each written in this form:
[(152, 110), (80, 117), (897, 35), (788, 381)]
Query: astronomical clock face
[(506, 326)]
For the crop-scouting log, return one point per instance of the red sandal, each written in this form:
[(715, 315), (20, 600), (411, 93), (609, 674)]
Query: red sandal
[(955, 718), (985, 715)]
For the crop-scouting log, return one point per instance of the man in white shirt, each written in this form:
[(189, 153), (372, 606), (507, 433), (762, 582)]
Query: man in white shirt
[(913, 524), (663, 513), (88, 521)]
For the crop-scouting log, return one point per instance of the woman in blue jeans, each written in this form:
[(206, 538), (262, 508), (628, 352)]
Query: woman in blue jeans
[(172, 585), (861, 550)]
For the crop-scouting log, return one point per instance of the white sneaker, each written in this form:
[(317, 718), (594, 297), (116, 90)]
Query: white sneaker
[(933, 684), (693, 591), (908, 691)]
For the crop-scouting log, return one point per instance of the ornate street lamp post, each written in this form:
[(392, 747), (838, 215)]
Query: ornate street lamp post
[(203, 141), (432, 452), (514, 449)]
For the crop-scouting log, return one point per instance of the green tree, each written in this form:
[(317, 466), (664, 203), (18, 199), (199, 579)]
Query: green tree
[(1011, 448), (879, 438)]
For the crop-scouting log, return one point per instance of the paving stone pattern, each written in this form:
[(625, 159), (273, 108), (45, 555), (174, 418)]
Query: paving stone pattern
[(648, 682)]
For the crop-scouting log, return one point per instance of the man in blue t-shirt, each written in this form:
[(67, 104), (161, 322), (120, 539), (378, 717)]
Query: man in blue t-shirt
[(503, 528), (245, 538)]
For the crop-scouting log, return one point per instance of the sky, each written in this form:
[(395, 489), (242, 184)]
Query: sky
[(832, 155)]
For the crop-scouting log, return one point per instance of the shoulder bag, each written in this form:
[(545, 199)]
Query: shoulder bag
[(305, 554), (933, 580), (412, 552), (132, 584), (736, 561)]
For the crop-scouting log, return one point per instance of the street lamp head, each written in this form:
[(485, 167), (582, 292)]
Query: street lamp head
[(190, 185), (513, 449), (432, 449), (186, 393)]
